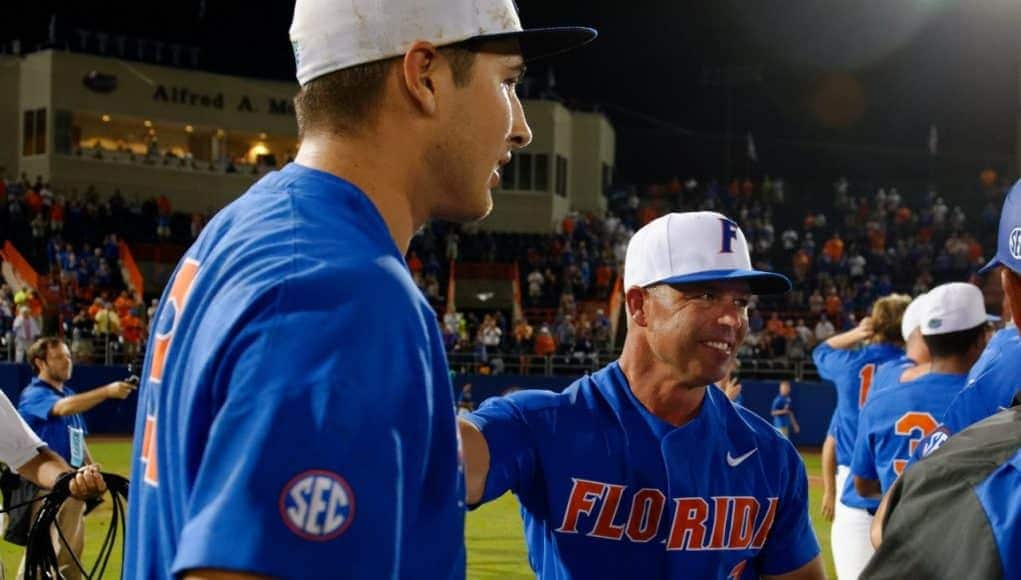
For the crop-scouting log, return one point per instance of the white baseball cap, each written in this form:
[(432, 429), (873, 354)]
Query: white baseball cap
[(912, 318), (331, 35), (681, 248), (952, 308)]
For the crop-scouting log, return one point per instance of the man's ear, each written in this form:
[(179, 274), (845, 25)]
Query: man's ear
[(419, 73), (637, 299), (1012, 289)]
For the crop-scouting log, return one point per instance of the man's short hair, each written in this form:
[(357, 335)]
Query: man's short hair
[(40, 349), (345, 101), (954, 343)]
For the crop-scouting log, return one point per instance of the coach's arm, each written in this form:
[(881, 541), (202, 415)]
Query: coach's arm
[(476, 460)]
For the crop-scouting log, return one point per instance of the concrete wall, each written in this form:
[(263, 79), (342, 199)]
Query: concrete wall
[(188, 191), (10, 144), (594, 145)]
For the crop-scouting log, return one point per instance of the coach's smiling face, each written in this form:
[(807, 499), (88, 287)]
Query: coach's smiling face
[(695, 329)]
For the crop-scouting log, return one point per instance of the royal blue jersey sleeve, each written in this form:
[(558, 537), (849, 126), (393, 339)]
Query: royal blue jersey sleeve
[(792, 542), (504, 423), (35, 406), (318, 456), (832, 361), (863, 461), (1000, 497)]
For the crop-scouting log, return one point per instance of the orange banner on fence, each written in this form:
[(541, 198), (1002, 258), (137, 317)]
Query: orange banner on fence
[(131, 272), (22, 268)]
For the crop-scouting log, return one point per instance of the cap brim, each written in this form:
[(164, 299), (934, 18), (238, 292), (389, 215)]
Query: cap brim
[(759, 282), (537, 43), (992, 265)]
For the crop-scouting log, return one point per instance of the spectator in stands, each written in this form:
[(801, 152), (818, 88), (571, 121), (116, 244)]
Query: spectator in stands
[(26, 330), (54, 412), (545, 344), (523, 343), (824, 329), (107, 323)]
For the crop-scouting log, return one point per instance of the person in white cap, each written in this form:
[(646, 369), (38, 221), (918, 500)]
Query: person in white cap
[(957, 512), (644, 469), (850, 361), (296, 418), (954, 325)]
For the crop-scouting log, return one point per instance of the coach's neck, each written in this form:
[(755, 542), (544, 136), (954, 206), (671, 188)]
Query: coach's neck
[(673, 396)]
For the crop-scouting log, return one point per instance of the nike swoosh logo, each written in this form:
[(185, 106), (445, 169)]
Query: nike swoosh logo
[(735, 461)]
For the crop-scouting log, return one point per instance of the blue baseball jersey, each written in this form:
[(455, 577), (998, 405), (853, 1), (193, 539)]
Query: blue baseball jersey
[(609, 490), (895, 420), (888, 375), (35, 404), (296, 418), (992, 383), (781, 403), (853, 373), (1000, 497)]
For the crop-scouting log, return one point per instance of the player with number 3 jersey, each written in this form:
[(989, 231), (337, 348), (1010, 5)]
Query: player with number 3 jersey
[(640, 470), (851, 360)]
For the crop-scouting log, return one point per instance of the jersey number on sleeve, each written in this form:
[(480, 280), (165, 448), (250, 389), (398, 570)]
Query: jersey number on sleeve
[(917, 426), (166, 324), (866, 374)]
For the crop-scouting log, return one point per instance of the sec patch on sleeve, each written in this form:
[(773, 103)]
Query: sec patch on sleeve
[(317, 505)]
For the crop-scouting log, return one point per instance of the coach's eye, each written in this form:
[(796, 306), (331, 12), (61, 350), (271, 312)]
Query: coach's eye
[(742, 302)]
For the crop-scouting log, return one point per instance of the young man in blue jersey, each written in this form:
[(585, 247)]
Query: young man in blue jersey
[(297, 417), (783, 415), (915, 361), (850, 361), (894, 419), (957, 513), (644, 469)]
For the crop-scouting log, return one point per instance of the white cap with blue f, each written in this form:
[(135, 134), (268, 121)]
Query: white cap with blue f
[(705, 246), (1008, 247)]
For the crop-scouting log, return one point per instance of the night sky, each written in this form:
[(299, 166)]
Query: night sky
[(826, 87)]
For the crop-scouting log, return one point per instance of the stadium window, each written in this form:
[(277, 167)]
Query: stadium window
[(525, 172), (561, 189), (28, 134), (40, 131), (507, 174), (63, 137), (542, 172)]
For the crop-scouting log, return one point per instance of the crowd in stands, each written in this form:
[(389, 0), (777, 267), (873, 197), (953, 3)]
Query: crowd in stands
[(843, 248), (72, 240)]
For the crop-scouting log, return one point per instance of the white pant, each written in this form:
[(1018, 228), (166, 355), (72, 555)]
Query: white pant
[(849, 536)]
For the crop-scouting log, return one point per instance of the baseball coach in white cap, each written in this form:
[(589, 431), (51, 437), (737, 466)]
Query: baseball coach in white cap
[(297, 417), (640, 469)]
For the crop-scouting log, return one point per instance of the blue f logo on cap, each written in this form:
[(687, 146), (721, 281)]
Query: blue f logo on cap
[(729, 235)]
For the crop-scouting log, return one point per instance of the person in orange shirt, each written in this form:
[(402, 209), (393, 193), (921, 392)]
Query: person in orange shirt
[(123, 304), (544, 343), (131, 332), (775, 325), (97, 305), (834, 249)]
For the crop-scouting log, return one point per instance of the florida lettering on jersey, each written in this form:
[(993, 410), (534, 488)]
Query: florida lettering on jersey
[(597, 509), (609, 490)]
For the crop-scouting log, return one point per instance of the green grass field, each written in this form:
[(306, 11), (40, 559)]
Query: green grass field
[(494, 535)]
